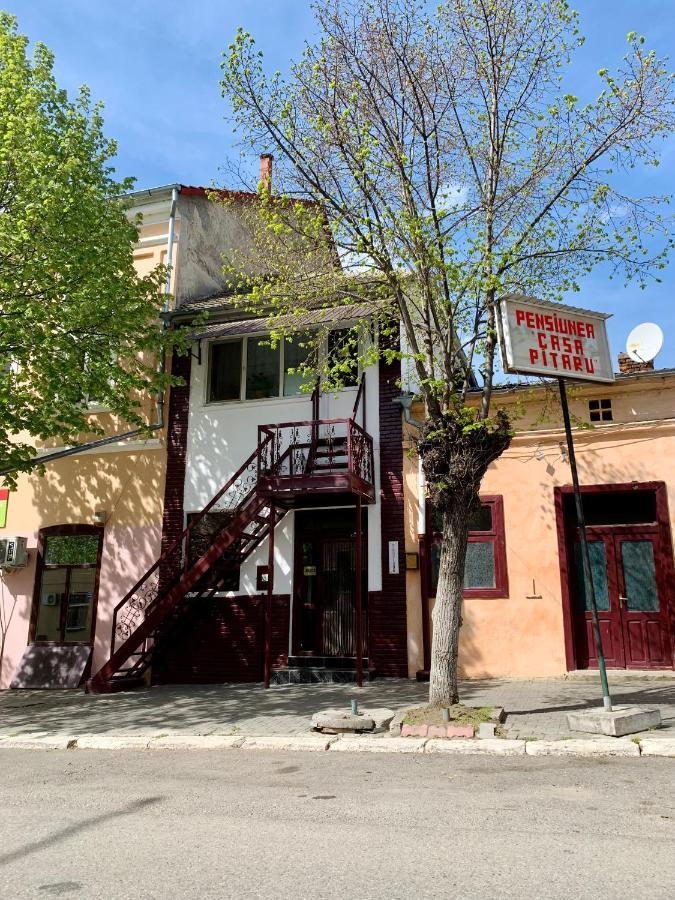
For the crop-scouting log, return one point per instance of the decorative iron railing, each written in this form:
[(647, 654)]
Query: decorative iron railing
[(318, 447), (173, 562)]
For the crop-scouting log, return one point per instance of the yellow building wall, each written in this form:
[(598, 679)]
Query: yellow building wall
[(522, 636), (125, 481), (129, 488)]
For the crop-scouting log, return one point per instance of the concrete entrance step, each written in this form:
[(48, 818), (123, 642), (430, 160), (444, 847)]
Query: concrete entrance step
[(614, 675), (317, 675)]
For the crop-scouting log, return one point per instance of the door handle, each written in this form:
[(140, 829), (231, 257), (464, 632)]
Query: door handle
[(622, 600)]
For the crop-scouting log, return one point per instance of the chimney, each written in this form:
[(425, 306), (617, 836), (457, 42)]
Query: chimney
[(628, 366), (266, 160)]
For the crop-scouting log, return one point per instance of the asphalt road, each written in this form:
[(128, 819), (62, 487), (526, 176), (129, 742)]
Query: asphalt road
[(140, 825)]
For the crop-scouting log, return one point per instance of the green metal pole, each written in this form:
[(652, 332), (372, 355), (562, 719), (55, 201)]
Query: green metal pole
[(585, 555)]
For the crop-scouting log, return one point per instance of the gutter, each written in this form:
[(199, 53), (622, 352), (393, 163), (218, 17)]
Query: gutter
[(158, 424)]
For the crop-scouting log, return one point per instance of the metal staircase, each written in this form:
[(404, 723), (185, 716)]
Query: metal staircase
[(291, 461)]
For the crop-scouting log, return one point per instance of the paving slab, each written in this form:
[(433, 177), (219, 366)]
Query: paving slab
[(535, 707)]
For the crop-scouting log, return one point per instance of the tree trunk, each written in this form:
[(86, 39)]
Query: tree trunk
[(447, 614), (455, 450)]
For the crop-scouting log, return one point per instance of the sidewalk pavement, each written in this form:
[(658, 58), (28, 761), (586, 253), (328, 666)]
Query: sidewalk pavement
[(536, 708)]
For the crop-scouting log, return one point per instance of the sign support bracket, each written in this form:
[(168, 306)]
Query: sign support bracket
[(583, 539)]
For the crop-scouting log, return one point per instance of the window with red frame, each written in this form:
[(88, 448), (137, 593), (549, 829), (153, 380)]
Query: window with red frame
[(485, 567)]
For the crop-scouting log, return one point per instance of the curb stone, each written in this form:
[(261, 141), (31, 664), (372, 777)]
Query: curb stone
[(289, 742), (111, 742), (197, 742), (358, 744), (493, 746), (583, 747), (375, 743), (38, 741), (657, 747)]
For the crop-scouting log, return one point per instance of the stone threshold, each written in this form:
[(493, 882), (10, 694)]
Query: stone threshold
[(382, 743)]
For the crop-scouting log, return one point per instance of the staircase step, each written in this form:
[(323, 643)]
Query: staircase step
[(289, 675)]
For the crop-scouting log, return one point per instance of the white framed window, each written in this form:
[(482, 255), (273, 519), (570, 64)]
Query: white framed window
[(248, 368)]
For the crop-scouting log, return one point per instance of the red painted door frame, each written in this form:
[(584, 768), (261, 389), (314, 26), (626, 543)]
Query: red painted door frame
[(665, 567)]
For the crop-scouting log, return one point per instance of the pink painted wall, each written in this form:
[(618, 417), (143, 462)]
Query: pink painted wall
[(129, 487), (522, 635)]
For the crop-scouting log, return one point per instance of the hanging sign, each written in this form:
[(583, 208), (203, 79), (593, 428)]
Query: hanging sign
[(4, 503), (541, 338)]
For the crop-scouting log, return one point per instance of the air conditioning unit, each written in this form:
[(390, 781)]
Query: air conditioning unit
[(13, 553)]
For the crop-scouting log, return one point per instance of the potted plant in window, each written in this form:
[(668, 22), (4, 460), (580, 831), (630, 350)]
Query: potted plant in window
[(261, 386)]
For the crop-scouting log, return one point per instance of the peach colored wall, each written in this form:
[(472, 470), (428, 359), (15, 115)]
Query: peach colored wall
[(129, 487), (523, 636), (128, 484)]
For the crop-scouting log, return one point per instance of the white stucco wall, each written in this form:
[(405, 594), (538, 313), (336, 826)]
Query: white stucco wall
[(222, 435)]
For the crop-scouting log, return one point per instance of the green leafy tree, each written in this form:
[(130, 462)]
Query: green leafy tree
[(451, 165), (76, 321)]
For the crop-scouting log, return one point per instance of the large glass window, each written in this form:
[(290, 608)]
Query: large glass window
[(225, 371), (67, 593), (296, 353), (485, 564), (343, 355), (262, 369), (251, 369)]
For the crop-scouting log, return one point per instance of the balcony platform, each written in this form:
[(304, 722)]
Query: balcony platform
[(290, 491)]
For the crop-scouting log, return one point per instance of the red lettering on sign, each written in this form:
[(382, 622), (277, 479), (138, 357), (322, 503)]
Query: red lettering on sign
[(590, 330), (579, 348), (520, 317), (589, 366), (530, 320), (566, 361), (578, 365), (534, 356), (541, 339), (555, 342)]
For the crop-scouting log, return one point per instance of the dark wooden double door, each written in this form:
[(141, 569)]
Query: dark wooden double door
[(631, 592), (325, 584)]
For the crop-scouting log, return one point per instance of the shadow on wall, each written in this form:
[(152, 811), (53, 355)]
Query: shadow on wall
[(532, 538), (128, 488)]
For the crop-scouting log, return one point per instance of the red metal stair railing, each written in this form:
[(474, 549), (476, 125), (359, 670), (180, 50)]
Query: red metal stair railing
[(171, 578)]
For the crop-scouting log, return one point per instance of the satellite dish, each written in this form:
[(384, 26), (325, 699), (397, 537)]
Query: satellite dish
[(644, 342)]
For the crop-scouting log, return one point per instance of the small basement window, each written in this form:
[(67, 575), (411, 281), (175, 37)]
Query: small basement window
[(600, 410)]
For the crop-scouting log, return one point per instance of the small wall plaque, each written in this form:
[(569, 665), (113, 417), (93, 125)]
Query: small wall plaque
[(309, 570), (412, 562), (393, 558), (261, 578)]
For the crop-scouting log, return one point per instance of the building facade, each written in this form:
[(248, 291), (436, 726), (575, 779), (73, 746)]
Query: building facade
[(226, 546), (524, 613), (93, 523)]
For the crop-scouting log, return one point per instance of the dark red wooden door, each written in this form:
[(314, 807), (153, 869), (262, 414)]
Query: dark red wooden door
[(643, 600), (630, 590), (603, 568)]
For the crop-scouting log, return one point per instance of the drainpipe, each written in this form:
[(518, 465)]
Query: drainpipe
[(158, 424), (404, 400), (167, 292)]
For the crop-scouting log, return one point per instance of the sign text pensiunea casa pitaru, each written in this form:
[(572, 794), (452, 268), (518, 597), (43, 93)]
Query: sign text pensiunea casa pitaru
[(541, 338)]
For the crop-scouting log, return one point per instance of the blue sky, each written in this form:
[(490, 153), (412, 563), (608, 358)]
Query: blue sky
[(155, 64)]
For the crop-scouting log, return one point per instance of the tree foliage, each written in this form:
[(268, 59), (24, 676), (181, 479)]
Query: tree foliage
[(76, 321), (452, 164)]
